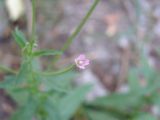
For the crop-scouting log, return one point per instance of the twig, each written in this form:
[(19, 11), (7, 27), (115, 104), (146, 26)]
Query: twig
[(79, 28), (57, 72)]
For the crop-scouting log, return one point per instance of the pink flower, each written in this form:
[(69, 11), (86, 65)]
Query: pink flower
[(81, 61)]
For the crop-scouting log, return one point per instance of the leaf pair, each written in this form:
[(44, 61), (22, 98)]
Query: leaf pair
[(22, 41)]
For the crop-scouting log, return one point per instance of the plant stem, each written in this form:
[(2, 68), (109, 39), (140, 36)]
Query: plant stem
[(78, 29), (80, 26), (57, 72), (33, 21)]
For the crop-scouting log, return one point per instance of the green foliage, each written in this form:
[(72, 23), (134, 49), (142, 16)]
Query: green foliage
[(129, 106), (26, 112), (69, 104), (46, 53), (19, 38), (61, 83), (99, 115), (144, 116), (121, 102), (8, 82), (24, 72), (116, 106)]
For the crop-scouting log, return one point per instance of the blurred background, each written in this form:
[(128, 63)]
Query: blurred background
[(122, 39)]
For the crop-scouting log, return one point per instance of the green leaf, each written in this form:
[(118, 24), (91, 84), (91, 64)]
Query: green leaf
[(26, 112), (36, 65), (8, 82), (99, 115), (60, 83), (118, 102), (24, 73), (144, 116), (19, 96), (46, 53), (19, 38), (155, 99), (52, 112), (70, 103)]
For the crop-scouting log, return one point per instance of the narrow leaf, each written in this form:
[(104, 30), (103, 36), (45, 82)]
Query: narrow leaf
[(120, 102), (19, 38), (26, 112), (69, 104)]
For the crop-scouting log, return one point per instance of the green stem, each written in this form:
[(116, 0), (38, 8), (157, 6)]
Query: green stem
[(8, 70), (33, 22), (80, 26), (78, 29), (58, 72)]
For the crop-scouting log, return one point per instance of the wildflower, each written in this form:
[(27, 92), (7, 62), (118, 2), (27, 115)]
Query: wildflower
[(81, 61)]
